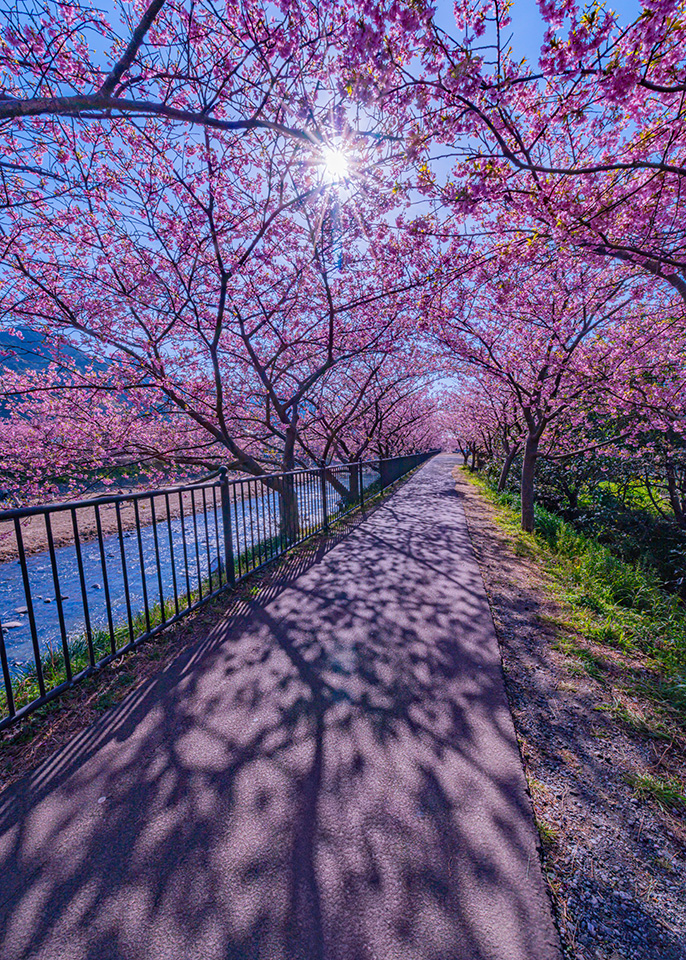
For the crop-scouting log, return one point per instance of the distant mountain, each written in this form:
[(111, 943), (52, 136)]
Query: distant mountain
[(30, 352), (22, 354)]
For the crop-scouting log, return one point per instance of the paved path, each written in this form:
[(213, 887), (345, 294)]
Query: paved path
[(331, 775)]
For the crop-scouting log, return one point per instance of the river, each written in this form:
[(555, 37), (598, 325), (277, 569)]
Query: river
[(176, 545)]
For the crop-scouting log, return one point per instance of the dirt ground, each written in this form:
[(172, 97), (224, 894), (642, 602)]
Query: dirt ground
[(614, 861), (33, 529)]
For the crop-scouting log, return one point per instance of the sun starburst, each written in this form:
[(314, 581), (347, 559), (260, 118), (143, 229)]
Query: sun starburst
[(336, 165)]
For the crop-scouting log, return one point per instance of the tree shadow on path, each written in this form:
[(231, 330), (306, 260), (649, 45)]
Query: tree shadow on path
[(331, 775)]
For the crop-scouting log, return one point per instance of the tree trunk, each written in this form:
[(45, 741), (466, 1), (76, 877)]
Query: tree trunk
[(673, 492), (354, 470), (289, 509), (528, 474), (505, 472), (572, 494)]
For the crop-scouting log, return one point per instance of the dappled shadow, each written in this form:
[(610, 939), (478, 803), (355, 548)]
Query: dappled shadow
[(330, 775), (582, 763)]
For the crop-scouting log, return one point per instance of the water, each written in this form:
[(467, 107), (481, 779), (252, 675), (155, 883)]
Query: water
[(13, 601), (251, 523), (190, 568)]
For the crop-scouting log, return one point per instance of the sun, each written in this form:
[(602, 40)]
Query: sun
[(336, 166)]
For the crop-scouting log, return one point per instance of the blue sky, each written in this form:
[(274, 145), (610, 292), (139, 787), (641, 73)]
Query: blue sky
[(527, 25)]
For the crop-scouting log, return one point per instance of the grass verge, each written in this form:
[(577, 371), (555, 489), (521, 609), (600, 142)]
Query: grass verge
[(632, 627), (587, 660)]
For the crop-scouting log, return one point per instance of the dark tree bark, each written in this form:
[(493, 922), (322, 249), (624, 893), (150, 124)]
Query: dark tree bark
[(507, 465), (528, 481), (675, 494)]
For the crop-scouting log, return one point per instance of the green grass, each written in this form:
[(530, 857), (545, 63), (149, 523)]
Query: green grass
[(633, 494), (25, 687), (549, 835), (587, 661), (636, 719), (611, 602), (668, 793)]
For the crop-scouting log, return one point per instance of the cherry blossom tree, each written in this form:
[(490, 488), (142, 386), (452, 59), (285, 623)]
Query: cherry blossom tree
[(553, 333), (65, 428), (252, 66), (484, 421), (646, 405), (379, 405), (224, 279), (250, 215), (585, 147)]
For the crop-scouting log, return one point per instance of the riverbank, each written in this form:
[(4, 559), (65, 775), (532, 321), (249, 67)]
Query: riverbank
[(604, 761), (35, 537)]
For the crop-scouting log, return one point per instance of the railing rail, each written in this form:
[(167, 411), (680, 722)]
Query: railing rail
[(116, 570)]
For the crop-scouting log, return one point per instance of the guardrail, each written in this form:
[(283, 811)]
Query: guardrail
[(101, 576)]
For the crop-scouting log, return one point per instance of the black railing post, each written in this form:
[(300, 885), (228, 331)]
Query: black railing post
[(361, 481), (226, 524), (29, 606), (9, 693), (58, 596), (322, 474)]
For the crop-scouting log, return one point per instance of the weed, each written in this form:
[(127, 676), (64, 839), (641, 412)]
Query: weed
[(523, 547), (667, 793), (549, 836), (637, 720), (587, 661)]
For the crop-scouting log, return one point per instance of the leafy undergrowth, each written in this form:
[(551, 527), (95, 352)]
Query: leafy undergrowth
[(620, 623), (630, 518)]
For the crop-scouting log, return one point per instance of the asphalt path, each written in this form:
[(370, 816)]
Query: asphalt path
[(330, 774)]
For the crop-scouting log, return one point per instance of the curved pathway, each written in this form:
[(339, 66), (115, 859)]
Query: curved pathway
[(331, 775)]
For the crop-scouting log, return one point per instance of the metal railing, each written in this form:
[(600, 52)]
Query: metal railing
[(88, 581)]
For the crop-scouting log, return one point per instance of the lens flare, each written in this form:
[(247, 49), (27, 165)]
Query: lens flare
[(336, 165)]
